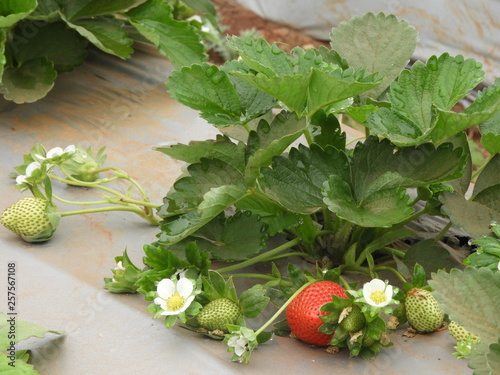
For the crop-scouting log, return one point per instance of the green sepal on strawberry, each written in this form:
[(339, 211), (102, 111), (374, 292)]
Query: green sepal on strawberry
[(304, 312), (33, 219)]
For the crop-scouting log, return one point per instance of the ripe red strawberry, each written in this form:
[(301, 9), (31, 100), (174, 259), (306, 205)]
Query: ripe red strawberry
[(303, 312)]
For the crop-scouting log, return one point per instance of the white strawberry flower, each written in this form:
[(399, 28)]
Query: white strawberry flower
[(32, 167), (174, 298), (377, 293), (239, 343), (57, 151)]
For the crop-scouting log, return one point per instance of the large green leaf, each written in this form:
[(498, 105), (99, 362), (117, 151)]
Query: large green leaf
[(262, 57), (177, 40), (73, 9), (220, 148), (29, 82), (490, 134), (296, 181), (273, 139), (206, 8), (20, 368), (489, 176), (68, 53), (306, 93), (254, 102), (47, 10), (105, 34), (478, 216), (208, 89), (187, 192), (12, 11), (24, 330), (229, 239), (214, 202), (386, 44), (422, 97), (469, 294), (381, 208)]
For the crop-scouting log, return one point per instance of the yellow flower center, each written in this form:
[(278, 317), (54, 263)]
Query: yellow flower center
[(378, 297), (175, 302)]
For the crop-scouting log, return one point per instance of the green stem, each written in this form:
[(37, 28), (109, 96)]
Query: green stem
[(354, 140), (367, 132), (354, 267), (390, 250), (261, 257), (87, 184), (283, 307), (344, 283), (442, 232), (138, 211), (294, 253), (390, 269), (480, 169), (327, 218), (79, 203), (308, 136)]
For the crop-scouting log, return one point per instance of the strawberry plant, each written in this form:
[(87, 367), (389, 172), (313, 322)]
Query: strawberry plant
[(283, 180), (40, 39)]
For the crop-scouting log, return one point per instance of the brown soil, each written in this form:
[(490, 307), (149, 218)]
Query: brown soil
[(235, 19)]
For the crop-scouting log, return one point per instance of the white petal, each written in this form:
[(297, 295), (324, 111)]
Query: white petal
[(40, 157), (499, 266), (32, 167), (71, 149), (185, 306), (184, 287), (165, 288), (367, 291), (242, 341), (239, 350), (119, 266), (159, 301), (388, 292), (377, 285), (232, 341), (21, 179), (56, 151)]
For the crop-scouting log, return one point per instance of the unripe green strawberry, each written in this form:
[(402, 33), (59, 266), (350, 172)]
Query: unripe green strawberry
[(459, 333), (216, 314), (422, 310), (354, 321), (34, 219)]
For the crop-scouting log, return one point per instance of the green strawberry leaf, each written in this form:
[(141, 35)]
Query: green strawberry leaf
[(490, 134), (259, 56), (326, 131), (68, 53), (187, 192), (387, 45), (488, 178), (24, 330), (73, 9), (177, 40), (20, 368), (162, 259), (423, 96), (208, 89), (479, 215), (13, 11), (228, 239), (221, 148), (308, 92), (253, 301), (461, 185), (295, 181), (273, 139), (428, 256), (382, 208), (253, 101), (463, 295), (29, 82), (105, 34), (214, 202)]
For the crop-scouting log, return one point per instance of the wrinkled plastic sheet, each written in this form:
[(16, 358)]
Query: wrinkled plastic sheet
[(124, 106), (469, 28)]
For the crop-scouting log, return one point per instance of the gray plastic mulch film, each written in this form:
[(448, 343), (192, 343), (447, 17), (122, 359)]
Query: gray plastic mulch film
[(124, 106)]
